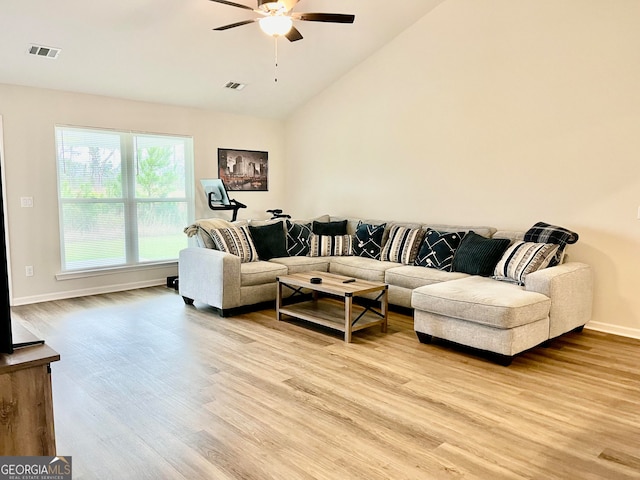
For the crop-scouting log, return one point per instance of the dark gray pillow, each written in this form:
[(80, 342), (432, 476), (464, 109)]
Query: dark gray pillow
[(270, 240), (478, 255), (330, 228)]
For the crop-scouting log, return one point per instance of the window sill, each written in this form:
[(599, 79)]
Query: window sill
[(96, 272)]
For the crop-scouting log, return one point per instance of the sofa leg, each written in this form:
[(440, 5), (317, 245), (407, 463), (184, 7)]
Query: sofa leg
[(504, 360), (579, 329), (423, 337), (187, 301)]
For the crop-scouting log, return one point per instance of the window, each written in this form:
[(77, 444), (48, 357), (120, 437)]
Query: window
[(124, 197)]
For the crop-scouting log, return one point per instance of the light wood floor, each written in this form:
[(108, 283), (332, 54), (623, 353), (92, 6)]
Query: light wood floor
[(148, 388)]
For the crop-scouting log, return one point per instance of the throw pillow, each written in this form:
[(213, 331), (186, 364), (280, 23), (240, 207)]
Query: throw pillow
[(331, 245), (270, 240), (478, 255), (330, 228), (367, 240), (298, 237), (236, 241), (402, 245), (438, 248), (545, 233), (523, 258)]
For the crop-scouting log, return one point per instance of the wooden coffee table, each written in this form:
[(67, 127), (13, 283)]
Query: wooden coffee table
[(322, 310)]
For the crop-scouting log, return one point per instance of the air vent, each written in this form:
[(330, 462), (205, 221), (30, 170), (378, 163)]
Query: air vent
[(42, 51), (235, 86)]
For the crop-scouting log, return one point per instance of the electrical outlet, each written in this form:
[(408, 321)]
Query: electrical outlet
[(26, 202), (28, 270)]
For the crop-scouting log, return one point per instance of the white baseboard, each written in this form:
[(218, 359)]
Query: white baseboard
[(86, 292), (614, 329)]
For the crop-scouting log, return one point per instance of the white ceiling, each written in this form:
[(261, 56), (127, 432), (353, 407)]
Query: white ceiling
[(165, 51)]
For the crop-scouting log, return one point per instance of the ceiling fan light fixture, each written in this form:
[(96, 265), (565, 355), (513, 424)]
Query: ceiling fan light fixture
[(276, 25)]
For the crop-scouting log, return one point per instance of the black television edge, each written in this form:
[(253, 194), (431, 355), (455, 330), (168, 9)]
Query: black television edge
[(6, 337)]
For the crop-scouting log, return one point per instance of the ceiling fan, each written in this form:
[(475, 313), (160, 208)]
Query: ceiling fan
[(277, 18)]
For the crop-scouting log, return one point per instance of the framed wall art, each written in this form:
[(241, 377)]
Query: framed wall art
[(243, 170)]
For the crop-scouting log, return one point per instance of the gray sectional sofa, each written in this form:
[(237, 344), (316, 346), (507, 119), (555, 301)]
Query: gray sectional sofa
[(497, 316)]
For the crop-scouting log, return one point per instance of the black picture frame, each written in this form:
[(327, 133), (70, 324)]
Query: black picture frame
[(244, 170)]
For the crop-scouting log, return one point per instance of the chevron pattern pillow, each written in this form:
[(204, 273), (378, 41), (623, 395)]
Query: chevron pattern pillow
[(403, 244), (236, 241), (438, 248), (367, 241), (298, 236)]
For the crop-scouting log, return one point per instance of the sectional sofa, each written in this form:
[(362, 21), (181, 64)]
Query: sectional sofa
[(503, 312)]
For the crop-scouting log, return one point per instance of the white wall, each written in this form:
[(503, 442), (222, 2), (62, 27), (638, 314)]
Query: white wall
[(29, 116), (492, 112)]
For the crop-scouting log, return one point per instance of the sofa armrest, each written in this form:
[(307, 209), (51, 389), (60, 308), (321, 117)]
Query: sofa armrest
[(570, 287), (209, 276)]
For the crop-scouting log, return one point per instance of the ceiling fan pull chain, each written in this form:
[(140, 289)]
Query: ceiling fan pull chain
[(275, 70)]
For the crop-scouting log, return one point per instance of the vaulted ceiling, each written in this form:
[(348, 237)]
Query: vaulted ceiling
[(166, 50)]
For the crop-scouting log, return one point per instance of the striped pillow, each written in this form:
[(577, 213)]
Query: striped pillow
[(523, 258), (331, 245), (236, 241), (403, 244)]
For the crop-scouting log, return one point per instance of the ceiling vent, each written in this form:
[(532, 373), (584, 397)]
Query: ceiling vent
[(235, 86), (42, 51)]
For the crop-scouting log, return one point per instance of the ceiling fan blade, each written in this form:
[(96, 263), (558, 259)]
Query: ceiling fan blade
[(233, 4), (294, 35), (325, 17), (237, 24)]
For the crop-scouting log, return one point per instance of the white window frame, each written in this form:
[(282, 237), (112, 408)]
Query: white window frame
[(129, 201)]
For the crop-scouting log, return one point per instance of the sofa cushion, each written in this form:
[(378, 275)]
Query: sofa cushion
[(367, 240), (482, 300), (329, 228), (478, 255), (411, 276), (438, 248), (270, 240), (304, 264), (259, 273), (298, 237), (328, 245), (236, 241), (545, 233), (523, 258), (403, 244), (360, 267)]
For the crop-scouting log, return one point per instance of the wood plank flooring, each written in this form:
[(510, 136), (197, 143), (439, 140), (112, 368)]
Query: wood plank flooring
[(148, 388)]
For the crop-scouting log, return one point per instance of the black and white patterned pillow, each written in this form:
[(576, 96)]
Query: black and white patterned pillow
[(331, 245), (367, 241), (543, 232), (438, 248), (403, 244), (523, 258), (236, 241), (298, 236)]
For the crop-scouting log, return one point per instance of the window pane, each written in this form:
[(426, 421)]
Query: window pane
[(89, 164), (160, 230), (160, 167), (94, 235)]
